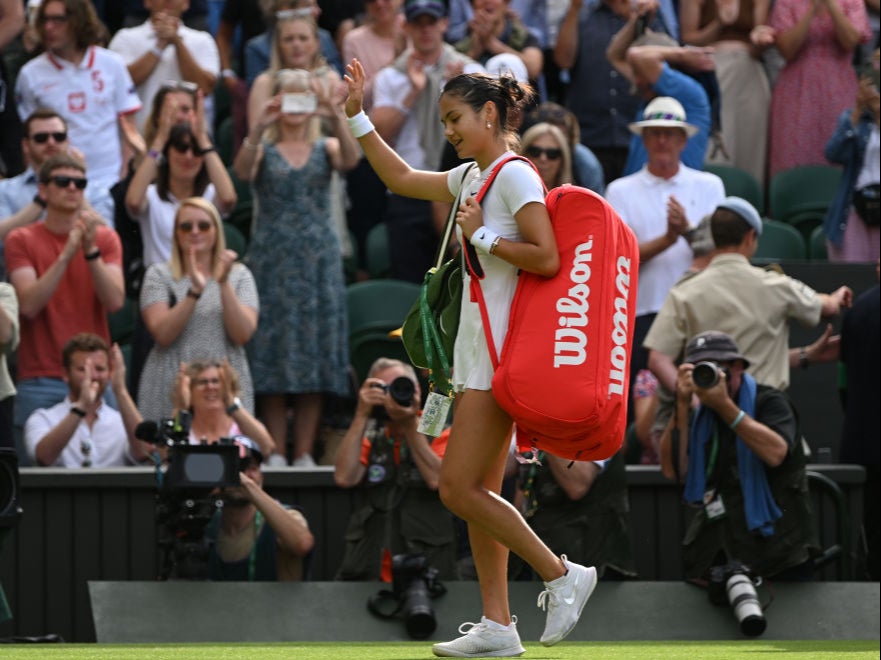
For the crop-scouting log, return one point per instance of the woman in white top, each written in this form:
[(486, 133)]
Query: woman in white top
[(511, 231), (181, 163)]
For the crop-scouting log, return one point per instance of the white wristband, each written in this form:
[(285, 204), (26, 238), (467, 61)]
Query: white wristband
[(485, 239), (360, 124)]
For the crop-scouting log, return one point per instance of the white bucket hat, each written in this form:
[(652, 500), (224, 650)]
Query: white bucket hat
[(663, 111)]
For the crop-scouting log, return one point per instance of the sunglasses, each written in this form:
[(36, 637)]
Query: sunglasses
[(551, 154), (65, 181), (184, 147), (202, 225), (86, 449), (43, 138)]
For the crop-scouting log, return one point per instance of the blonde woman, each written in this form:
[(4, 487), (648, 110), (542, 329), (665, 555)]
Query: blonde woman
[(210, 391), (545, 145), (300, 351), (199, 305)]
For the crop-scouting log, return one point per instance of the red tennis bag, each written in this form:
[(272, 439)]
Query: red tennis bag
[(563, 371)]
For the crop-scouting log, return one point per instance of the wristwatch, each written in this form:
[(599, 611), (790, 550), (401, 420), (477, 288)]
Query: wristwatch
[(79, 412), (235, 405)]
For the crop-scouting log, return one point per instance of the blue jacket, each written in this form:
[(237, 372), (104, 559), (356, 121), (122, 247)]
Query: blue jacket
[(847, 147)]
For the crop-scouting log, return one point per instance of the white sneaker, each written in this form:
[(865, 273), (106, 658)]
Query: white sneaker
[(276, 460), (565, 597), (483, 640), (305, 461)]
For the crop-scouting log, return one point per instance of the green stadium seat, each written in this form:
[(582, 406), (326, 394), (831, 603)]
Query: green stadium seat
[(378, 260), (780, 241), (739, 183), (817, 245), (235, 240)]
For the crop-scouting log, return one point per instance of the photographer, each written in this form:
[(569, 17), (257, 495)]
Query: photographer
[(256, 538), (396, 469), (743, 467)]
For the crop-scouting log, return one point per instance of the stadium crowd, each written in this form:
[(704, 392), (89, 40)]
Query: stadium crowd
[(183, 207)]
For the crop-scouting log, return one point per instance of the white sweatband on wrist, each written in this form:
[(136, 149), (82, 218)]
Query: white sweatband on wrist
[(360, 124), (485, 239)]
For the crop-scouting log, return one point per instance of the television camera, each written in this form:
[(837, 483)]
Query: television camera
[(189, 492)]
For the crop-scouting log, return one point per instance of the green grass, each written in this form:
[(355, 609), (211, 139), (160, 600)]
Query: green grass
[(745, 650)]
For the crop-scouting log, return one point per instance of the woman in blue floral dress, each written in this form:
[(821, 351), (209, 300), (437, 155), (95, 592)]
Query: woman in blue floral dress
[(300, 350)]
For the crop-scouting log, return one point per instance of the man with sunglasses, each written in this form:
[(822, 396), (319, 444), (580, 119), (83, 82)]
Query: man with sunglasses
[(82, 430), (162, 49), (67, 273), (740, 457), (255, 537), (85, 84), (45, 134)]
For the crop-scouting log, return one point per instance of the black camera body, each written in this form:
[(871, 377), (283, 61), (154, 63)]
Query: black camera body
[(734, 583), (187, 494), (414, 584), (401, 390), (706, 374)]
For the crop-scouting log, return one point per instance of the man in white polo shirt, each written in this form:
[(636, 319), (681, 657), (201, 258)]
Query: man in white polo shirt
[(163, 49), (661, 203), (85, 84)]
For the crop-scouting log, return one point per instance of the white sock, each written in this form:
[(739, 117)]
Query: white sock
[(495, 625)]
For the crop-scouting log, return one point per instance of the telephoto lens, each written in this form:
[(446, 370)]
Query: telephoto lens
[(705, 374), (401, 390), (745, 603)]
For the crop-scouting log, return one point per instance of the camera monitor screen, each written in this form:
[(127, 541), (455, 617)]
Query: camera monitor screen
[(203, 466)]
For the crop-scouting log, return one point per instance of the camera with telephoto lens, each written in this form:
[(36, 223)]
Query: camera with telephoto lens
[(188, 493), (401, 390), (734, 583), (414, 584), (706, 374)]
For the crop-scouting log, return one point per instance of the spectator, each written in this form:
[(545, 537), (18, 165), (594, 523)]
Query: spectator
[(582, 507), (750, 304), (652, 63), (860, 337), (199, 305), (8, 344), (82, 430), (12, 24), (162, 49), (852, 221), (547, 148), (67, 273), (738, 34), (135, 11), (640, 448), (375, 44), (405, 114), (210, 391), (817, 39), (85, 84), (586, 168), (45, 134), (255, 537), (396, 470), (181, 163), (599, 96), (661, 203), (301, 346), (750, 485), (260, 51), (295, 45), (493, 30)]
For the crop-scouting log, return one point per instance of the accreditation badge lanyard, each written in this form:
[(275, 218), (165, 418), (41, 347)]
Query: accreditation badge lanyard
[(252, 559), (713, 504)]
